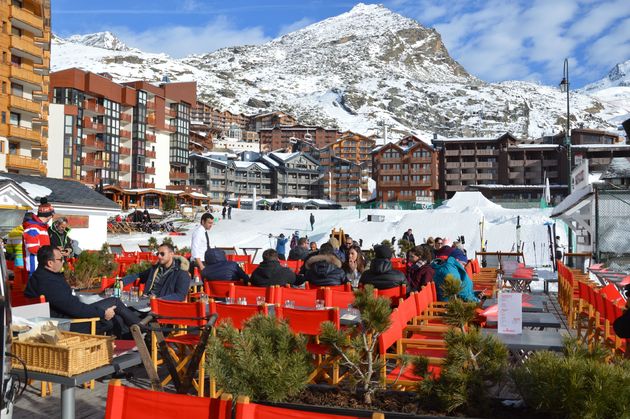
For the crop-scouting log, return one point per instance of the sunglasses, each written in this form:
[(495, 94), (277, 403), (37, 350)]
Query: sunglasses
[(161, 253)]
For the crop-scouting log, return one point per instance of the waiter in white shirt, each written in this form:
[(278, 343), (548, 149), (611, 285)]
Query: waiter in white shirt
[(201, 240)]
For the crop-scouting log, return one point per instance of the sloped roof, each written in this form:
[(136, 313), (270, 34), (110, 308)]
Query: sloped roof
[(68, 192)]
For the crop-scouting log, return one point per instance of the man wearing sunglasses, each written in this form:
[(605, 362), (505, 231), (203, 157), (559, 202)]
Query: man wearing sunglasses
[(168, 279)]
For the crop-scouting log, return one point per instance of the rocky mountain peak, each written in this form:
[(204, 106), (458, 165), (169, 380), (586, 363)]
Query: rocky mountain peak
[(105, 40)]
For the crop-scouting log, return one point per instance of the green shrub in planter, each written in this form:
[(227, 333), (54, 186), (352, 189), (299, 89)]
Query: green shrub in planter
[(577, 385), (90, 267), (136, 268), (266, 361)]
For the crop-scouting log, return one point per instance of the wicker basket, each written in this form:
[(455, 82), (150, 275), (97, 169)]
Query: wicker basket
[(74, 354)]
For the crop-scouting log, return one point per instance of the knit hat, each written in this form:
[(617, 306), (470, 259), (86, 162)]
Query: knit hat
[(382, 252), (459, 255), (45, 209)]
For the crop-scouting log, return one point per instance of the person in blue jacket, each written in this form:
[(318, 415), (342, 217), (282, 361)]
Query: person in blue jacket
[(218, 268), (281, 246), (449, 262)]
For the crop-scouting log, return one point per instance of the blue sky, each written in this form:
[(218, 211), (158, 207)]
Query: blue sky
[(494, 40)]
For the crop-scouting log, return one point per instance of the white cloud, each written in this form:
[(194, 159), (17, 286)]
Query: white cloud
[(292, 27), (180, 41), (498, 40)]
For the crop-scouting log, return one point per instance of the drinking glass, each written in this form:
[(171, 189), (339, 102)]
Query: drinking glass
[(229, 300), (289, 304), (242, 301), (125, 296), (109, 292), (260, 300), (135, 294), (320, 304)]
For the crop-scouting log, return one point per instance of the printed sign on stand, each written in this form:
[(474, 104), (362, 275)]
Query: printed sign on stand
[(510, 316)]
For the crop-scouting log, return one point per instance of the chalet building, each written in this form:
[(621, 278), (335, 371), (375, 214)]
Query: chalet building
[(294, 174), (25, 44), (346, 168), (106, 133), (205, 114), (270, 120), (280, 137), (405, 171)]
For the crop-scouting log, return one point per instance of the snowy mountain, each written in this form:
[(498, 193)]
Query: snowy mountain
[(357, 71), (613, 90)]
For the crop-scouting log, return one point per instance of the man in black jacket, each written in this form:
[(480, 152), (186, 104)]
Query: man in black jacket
[(381, 274), (270, 272), (324, 268), (168, 279), (48, 281), (299, 252), (59, 239)]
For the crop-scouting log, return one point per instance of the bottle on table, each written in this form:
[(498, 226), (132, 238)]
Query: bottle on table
[(117, 288)]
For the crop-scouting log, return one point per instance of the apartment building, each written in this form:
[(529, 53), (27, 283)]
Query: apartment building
[(25, 49), (346, 168), (294, 175), (405, 171), (269, 120), (107, 133), (281, 137)]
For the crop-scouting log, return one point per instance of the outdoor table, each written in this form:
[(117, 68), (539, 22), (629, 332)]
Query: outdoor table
[(68, 384), (531, 303), (548, 277), (541, 320), (529, 340), (520, 284)]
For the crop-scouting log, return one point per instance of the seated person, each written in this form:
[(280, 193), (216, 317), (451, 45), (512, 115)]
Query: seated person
[(324, 268), (47, 280), (168, 279), (270, 272), (218, 268), (419, 270), (451, 261), (381, 275), (299, 252)]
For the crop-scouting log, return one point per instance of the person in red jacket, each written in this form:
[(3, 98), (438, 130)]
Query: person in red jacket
[(36, 233)]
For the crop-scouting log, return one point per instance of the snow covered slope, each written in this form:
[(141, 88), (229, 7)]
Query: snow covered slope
[(613, 90), (359, 70)]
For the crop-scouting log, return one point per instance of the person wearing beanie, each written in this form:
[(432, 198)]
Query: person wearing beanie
[(36, 233), (381, 275)]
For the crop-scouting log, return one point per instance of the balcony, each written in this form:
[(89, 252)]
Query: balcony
[(26, 20), (91, 179), (125, 133), (484, 165), (150, 170), (91, 126), (150, 154), (26, 75), (25, 163), (25, 105), (151, 119), (169, 128), (123, 184), (124, 168), (25, 134), (90, 162), (149, 184), (467, 176), (467, 153), (149, 137), (25, 48), (173, 175), (41, 69), (451, 152), (40, 95), (91, 106), (452, 177), (170, 112), (125, 117), (487, 152), (124, 151), (485, 176), (90, 143)]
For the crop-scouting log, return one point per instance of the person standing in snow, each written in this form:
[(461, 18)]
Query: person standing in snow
[(229, 211), (408, 236), (312, 219), (223, 212), (281, 243)]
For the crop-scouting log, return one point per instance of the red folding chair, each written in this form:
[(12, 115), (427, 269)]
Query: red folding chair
[(308, 322), (239, 258), (252, 293), (395, 294), (133, 403), (239, 314), (336, 298), (247, 410), (248, 268), (300, 298), (343, 287), (219, 289)]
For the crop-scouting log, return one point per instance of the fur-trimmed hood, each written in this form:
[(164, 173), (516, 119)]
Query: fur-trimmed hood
[(184, 264), (330, 259)]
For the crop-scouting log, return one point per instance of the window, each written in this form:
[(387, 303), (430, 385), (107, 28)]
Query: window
[(15, 60), (15, 118), (4, 117), (13, 148), (16, 31)]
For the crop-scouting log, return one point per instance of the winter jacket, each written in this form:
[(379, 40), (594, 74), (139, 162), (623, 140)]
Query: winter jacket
[(419, 276), (217, 267), (59, 295), (60, 239), (270, 272), (323, 270), (35, 236), (176, 281), (298, 253), (382, 276), (281, 245), (450, 266), (409, 238), (14, 245)]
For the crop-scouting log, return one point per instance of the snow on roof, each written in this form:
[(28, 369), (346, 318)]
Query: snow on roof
[(467, 139), (496, 186), (462, 200), (590, 146), (271, 161), (35, 191), (619, 167), (197, 195), (571, 200), (247, 164), (537, 145), (284, 156)]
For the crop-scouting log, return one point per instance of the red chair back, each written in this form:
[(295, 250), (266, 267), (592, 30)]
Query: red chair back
[(343, 287), (252, 292), (247, 410), (239, 314), (301, 298), (248, 268), (175, 312), (294, 265), (394, 294), (239, 258), (130, 403), (391, 335), (219, 289), (20, 277), (423, 299), (308, 322), (18, 299), (407, 309), (336, 298)]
